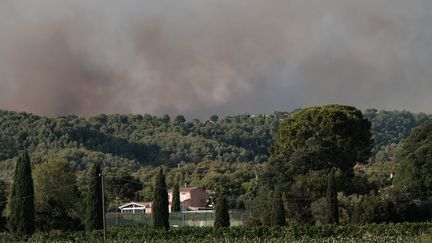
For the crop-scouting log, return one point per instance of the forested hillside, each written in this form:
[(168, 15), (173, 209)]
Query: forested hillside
[(310, 154), (390, 127), (135, 140)]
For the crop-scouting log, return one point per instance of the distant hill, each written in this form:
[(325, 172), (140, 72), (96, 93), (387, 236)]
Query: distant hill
[(390, 127), (136, 140), (133, 141)]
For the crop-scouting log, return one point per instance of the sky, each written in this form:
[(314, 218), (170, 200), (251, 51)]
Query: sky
[(203, 57)]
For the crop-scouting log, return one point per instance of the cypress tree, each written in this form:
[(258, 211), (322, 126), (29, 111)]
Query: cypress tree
[(94, 210), (222, 218), (175, 205), (22, 218), (332, 214), (160, 213), (278, 210)]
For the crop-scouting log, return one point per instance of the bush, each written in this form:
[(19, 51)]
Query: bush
[(403, 232), (415, 211), (372, 209)]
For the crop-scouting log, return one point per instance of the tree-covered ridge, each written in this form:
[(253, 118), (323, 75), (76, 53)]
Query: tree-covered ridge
[(390, 127), (137, 139), (238, 138), (313, 175)]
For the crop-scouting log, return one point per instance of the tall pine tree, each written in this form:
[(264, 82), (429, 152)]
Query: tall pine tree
[(332, 214), (222, 218), (160, 212), (175, 204), (278, 209), (94, 210), (22, 215)]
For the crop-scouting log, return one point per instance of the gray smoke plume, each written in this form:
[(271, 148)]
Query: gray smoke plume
[(198, 57)]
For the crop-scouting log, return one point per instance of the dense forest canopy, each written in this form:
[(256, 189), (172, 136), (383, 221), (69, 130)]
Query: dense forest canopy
[(246, 158), (390, 127), (415, 161), (136, 140), (133, 141), (317, 139)]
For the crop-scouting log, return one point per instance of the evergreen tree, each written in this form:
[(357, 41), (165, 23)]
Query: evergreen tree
[(3, 195), (222, 218), (3, 198), (160, 213), (278, 210), (55, 209), (317, 139), (94, 210), (175, 204), (22, 215), (414, 163), (332, 213)]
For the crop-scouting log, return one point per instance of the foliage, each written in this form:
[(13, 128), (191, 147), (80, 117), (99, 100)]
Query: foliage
[(21, 220), (391, 127), (160, 212), (121, 185), (415, 161), (405, 232), (299, 209), (226, 154), (94, 211), (3, 203), (319, 210), (175, 205), (380, 174), (332, 209), (135, 140), (372, 209), (222, 218), (260, 205), (56, 196), (3, 196), (320, 138), (232, 179), (278, 210), (414, 211)]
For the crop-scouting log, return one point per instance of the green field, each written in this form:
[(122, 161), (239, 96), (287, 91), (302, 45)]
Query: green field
[(404, 232)]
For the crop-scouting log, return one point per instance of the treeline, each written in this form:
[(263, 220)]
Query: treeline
[(133, 141), (234, 180), (391, 127), (51, 196), (319, 162), (315, 167)]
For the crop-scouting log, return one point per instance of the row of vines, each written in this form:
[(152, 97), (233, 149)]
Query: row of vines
[(403, 232)]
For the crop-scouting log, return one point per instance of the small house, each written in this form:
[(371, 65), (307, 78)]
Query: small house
[(136, 207)]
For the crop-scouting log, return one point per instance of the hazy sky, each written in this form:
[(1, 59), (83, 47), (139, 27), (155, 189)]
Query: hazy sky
[(199, 57)]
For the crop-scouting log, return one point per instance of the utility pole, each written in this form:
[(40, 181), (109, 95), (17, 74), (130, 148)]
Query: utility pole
[(103, 206)]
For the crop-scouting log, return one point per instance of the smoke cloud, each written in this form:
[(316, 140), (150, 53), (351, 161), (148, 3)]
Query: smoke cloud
[(199, 57)]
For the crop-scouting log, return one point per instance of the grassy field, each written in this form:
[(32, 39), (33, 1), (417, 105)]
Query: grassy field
[(404, 232)]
